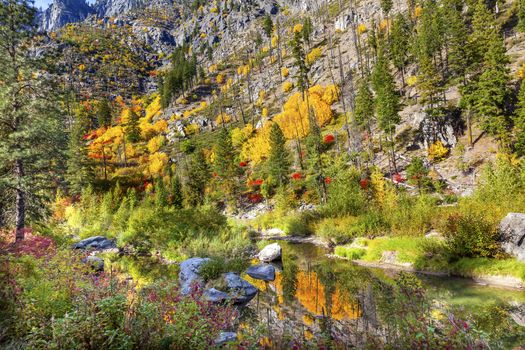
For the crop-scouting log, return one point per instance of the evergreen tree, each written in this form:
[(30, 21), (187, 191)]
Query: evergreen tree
[(386, 101), (364, 105), (484, 31), (491, 91), (132, 127), (521, 15), (32, 133), (399, 42), (268, 26), (224, 164), (197, 176), (176, 192), (104, 113), (386, 7), (315, 165), (279, 158), (456, 39), (519, 121), (79, 167), (161, 195)]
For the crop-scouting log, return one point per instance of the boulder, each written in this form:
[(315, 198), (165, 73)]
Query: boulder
[(263, 272), (189, 274), (95, 243), (215, 296), (512, 234), (270, 253), (239, 290), (96, 263), (225, 337)]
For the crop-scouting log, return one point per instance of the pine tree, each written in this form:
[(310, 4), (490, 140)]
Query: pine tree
[(519, 121), (279, 158), (484, 30), (197, 176), (399, 42), (268, 26), (104, 113), (80, 171), (224, 164), (161, 195), (386, 7), (132, 127), (364, 105), (456, 39), (315, 165), (176, 192), (521, 15), (491, 91), (386, 101), (32, 133)]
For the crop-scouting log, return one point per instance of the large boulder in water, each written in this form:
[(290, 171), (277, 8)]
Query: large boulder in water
[(239, 290), (263, 272), (270, 253), (95, 243), (189, 274), (512, 234)]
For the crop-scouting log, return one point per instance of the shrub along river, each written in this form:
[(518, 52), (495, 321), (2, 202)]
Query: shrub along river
[(314, 296)]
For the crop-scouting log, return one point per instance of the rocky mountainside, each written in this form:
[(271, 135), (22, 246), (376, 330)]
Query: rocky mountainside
[(61, 12)]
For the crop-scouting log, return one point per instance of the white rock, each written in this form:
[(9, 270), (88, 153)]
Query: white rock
[(270, 253)]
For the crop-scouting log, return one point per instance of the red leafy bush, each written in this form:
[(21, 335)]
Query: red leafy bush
[(363, 183), (397, 178), (329, 139), (296, 176), (328, 180)]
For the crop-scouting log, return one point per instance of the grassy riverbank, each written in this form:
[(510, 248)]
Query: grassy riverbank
[(428, 255)]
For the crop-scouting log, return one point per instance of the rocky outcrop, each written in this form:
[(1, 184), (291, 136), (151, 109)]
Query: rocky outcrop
[(240, 291), (263, 272), (270, 253), (215, 296), (189, 274), (61, 12), (98, 243), (512, 231)]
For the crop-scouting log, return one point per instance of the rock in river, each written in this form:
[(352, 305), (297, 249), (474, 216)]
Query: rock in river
[(270, 253), (263, 272), (189, 274), (512, 230), (225, 337), (239, 290), (95, 243)]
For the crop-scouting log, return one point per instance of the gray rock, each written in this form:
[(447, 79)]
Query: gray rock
[(61, 12), (262, 272), (512, 230), (215, 296), (96, 243), (225, 337), (270, 253), (96, 263), (239, 290), (189, 274)]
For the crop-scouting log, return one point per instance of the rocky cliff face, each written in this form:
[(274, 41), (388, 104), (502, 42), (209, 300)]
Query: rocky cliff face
[(61, 12)]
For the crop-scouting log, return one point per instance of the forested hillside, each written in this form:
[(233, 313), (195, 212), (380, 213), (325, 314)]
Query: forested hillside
[(189, 134)]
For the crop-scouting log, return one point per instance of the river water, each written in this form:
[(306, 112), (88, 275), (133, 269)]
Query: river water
[(316, 297)]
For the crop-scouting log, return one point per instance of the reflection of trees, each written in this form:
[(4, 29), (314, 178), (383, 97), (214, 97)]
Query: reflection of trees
[(289, 280)]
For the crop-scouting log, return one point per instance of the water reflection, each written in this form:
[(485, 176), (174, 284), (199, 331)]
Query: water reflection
[(338, 304)]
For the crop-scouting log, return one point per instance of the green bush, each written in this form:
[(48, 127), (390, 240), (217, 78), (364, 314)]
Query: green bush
[(341, 230), (351, 253), (215, 267), (471, 236)]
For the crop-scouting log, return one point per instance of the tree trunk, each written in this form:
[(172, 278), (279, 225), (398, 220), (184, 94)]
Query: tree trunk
[(20, 204)]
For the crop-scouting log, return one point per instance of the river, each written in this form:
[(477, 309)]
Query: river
[(317, 297)]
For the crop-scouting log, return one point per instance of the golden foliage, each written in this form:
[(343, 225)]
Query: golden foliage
[(192, 129), (264, 112), (361, 29), (223, 118), (294, 119), (285, 72), (157, 163), (239, 136), (313, 55), (213, 68), (220, 78), (411, 80), (155, 143), (298, 28), (257, 148), (331, 94), (275, 40), (437, 151), (287, 86), (154, 108)]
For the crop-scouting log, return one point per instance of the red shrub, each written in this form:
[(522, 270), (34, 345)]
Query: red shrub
[(328, 139), (296, 176), (397, 178), (363, 183), (328, 180)]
